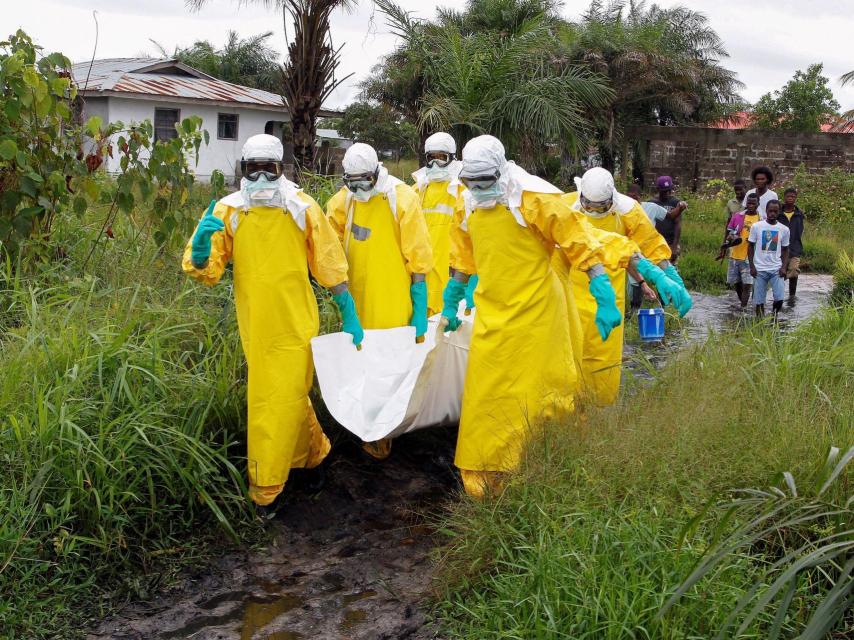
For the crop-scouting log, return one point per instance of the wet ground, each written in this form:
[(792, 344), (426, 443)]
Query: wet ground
[(724, 313), (353, 558), (349, 560)]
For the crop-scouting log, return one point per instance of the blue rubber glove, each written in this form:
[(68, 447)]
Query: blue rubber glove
[(470, 287), (451, 296), (418, 293), (673, 274), (608, 317), (349, 319), (200, 249), (671, 292)]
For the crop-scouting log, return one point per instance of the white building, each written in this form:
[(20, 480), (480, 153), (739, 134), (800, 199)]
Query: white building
[(166, 91)]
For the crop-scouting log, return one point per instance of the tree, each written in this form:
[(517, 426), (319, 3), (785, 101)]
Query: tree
[(308, 76), (250, 61), (845, 122), (804, 104), (459, 75), (663, 65), (378, 126)]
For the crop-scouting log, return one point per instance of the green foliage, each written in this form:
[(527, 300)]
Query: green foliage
[(807, 538), (592, 536), (378, 126), (251, 61), (825, 197), (843, 280), (804, 104), (49, 160), (507, 83)]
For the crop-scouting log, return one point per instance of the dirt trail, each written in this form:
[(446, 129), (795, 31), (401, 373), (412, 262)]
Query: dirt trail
[(351, 560)]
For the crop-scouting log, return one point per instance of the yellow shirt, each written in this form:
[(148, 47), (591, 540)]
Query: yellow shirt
[(739, 252)]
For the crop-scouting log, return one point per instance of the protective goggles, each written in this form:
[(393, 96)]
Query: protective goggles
[(438, 158), (361, 181), (602, 206), (254, 169), (480, 183)]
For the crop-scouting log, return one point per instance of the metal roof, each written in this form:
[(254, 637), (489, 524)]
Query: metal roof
[(164, 77)]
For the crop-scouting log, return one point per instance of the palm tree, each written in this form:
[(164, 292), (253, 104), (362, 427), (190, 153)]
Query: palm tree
[(248, 61), (663, 65), (845, 122), (476, 79), (308, 76)]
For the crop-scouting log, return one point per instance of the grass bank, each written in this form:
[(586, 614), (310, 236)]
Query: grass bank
[(586, 541), (121, 427)]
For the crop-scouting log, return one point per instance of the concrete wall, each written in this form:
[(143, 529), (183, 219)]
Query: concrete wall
[(219, 154), (693, 156)]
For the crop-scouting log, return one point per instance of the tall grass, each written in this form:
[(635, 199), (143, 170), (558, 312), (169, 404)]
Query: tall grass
[(121, 421), (586, 542)]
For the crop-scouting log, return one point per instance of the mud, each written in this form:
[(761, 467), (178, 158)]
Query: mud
[(353, 559), (348, 560)]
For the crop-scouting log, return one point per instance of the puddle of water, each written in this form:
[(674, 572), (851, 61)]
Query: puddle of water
[(355, 597), (255, 614), (353, 617), (259, 612)]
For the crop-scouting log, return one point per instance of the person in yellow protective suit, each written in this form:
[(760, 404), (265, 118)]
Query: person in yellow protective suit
[(379, 221), (520, 368), (271, 230), (608, 210), (439, 189)]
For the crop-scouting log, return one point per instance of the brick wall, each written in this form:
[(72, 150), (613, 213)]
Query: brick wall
[(693, 156)]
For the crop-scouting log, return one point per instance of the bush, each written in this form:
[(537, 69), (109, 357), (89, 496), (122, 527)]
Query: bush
[(843, 281), (824, 198)]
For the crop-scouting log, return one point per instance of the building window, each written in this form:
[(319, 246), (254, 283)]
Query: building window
[(226, 126), (164, 123)]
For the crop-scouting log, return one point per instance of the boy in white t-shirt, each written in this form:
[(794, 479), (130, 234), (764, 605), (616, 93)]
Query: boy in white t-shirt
[(768, 252)]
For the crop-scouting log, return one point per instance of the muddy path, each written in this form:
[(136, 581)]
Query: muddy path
[(353, 559), (349, 560)]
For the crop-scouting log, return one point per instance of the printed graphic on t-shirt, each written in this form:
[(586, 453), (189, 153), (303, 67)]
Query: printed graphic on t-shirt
[(770, 239)]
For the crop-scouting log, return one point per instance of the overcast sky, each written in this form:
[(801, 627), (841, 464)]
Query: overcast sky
[(767, 39)]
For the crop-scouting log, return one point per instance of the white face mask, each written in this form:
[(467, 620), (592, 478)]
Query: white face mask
[(261, 192), (363, 196), (487, 198), (438, 174)]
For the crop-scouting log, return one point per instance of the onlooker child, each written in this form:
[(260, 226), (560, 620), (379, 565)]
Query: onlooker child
[(793, 218), (768, 251), (762, 179), (671, 226), (738, 229), (655, 213), (735, 204)]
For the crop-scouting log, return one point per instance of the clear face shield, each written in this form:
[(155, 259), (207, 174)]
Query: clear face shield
[(484, 189), (596, 208), (361, 184)]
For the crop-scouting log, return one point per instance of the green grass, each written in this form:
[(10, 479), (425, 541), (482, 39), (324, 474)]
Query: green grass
[(121, 427), (586, 540)]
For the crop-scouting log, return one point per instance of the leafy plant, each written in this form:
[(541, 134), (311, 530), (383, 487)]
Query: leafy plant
[(804, 104), (809, 538), (843, 280)]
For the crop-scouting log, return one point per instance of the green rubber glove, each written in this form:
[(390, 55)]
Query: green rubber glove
[(671, 292), (470, 287), (454, 292), (418, 293), (200, 247), (349, 318), (608, 317), (673, 274)]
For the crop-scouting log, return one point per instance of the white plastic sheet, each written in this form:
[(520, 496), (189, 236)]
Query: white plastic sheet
[(393, 385)]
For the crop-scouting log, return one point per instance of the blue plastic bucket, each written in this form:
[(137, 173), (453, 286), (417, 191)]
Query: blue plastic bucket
[(651, 324)]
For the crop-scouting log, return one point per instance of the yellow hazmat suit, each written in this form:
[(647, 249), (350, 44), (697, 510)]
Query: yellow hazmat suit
[(277, 317), (521, 367), (386, 242), (439, 201), (601, 362)]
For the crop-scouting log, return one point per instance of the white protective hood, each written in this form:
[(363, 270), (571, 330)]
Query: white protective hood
[(484, 155), (597, 184)]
